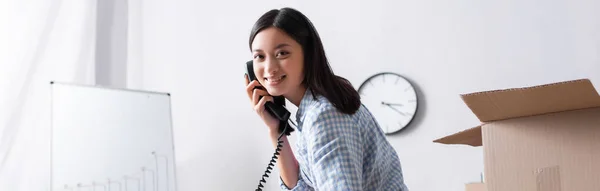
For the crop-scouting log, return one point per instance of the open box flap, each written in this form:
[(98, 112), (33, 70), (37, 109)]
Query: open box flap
[(522, 102), (467, 137), (529, 101)]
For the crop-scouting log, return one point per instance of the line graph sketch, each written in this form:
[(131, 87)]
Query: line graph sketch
[(107, 139)]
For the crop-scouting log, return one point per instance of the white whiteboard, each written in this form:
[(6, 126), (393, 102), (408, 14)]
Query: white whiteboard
[(107, 139)]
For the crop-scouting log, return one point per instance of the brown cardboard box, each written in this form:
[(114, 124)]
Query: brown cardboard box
[(475, 187), (541, 138)]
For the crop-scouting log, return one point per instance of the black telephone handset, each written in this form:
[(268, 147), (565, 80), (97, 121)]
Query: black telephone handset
[(276, 109)]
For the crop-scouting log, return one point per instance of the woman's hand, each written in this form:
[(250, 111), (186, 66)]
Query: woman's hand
[(254, 92)]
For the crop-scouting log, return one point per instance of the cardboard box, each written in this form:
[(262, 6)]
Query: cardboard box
[(475, 187), (540, 138)]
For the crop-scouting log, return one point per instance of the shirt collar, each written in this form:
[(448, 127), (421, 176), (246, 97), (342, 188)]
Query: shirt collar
[(305, 103)]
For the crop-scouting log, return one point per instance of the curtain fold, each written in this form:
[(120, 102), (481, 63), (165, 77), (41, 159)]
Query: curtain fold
[(46, 40), (135, 37)]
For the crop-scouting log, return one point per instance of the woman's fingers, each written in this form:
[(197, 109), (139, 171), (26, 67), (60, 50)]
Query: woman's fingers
[(250, 88), (256, 94), (260, 106)]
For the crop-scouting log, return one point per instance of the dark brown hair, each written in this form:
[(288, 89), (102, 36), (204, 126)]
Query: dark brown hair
[(318, 75)]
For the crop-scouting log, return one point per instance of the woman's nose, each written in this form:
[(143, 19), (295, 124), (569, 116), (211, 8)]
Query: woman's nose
[(271, 66)]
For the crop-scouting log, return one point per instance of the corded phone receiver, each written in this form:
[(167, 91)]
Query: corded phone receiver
[(279, 112), (276, 109)]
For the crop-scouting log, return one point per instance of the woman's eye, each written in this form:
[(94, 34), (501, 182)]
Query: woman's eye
[(282, 53)]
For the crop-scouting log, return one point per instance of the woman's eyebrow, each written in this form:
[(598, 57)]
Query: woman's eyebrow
[(277, 47), (281, 45)]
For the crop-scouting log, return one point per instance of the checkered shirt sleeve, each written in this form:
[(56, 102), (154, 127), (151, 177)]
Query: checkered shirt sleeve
[(334, 152)]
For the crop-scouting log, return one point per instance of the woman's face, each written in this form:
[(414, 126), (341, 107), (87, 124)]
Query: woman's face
[(278, 61)]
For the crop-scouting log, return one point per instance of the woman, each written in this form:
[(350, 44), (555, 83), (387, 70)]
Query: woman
[(340, 145)]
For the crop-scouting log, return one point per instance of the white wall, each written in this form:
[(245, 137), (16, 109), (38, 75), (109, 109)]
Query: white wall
[(195, 50)]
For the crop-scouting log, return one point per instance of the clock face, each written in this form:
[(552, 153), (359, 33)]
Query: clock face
[(391, 99)]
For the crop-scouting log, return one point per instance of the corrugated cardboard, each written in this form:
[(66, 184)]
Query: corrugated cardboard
[(540, 138), (475, 187)]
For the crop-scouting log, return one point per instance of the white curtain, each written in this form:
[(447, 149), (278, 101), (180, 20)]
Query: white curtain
[(40, 41), (135, 49)]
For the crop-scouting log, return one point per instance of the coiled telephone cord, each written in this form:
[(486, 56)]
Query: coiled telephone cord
[(275, 156)]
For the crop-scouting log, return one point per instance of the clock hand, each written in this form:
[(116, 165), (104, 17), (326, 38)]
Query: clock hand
[(400, 112), (390, 104)]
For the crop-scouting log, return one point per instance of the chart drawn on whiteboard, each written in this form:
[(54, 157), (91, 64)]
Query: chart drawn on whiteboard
[(107, 139)]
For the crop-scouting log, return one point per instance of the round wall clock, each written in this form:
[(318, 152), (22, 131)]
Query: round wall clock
[(391, 98)]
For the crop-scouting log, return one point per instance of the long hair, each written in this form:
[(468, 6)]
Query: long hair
[(318, 75)]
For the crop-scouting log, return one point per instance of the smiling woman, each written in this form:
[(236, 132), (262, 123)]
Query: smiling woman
[(278, 63), (340, 145)]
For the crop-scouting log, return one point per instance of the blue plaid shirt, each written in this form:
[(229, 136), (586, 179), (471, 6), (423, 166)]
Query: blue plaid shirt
[(336, 151)]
